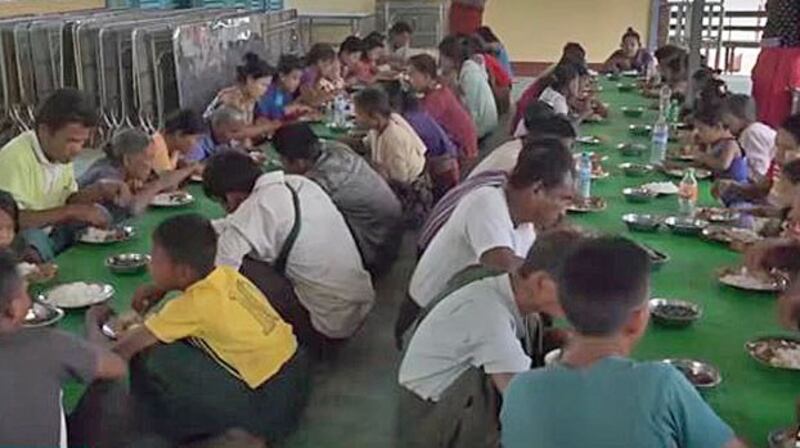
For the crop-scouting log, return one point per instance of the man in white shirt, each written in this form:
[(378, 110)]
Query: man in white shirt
[(756, 139), (477, 326), (494, 226), (505, 156), (320, 257)]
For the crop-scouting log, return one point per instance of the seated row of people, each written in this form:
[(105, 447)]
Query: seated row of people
[(466, 375), (494, 225)]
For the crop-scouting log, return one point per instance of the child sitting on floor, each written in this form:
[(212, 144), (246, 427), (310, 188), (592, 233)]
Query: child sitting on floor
[(722, 153), (396, 151), (596, 395), (374, 51), (279, 103), (322, 77), (773, 193), (757, 139), (354, 69), (36, 363), (29, 266), (564, 88), (441, 155), (225, 359)]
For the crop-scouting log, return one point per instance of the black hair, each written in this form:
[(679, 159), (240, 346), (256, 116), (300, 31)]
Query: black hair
[(476, 44), (400, 28), (197, 251), (543, 160), (352, 44), (372, 42), (601, 282), (549, 251), (373, 101), (712, 92), (230, 172), (556, 126), (9, 278), (563, 75), (9, 205), (375, 35), (709, 116), (792, 125), (64, 107), (537, 111), (792, 171), (425, 63), (487, 35), (400, 98), (289, 63), (459, 48), (630, 32), (253, 68), (740, 106), (297, 141), (184, 121), (320, 52), (667, 52), (574, 52)]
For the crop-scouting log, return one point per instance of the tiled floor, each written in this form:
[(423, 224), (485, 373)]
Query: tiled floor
[(354, 398)]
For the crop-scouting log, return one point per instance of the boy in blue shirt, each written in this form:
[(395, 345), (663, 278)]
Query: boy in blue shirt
[(279, 104), (596, 396)]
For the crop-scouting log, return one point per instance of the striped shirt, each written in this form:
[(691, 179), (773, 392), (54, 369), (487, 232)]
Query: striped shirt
[(445, 207)]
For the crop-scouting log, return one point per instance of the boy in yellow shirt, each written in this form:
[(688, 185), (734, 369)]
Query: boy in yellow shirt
[(241, 366)]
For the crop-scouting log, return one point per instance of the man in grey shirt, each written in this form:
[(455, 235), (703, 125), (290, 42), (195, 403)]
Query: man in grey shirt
[(366, 201), (35, 363)]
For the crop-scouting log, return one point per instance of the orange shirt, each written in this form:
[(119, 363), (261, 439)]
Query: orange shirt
[(162, 160)]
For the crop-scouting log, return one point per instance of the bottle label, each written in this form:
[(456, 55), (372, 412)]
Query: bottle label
[(687, 192)]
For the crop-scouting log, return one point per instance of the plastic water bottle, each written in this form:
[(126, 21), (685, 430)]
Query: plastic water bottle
[(584, 186), (664, 100), (660, 139), (340, 111), (687, 193)]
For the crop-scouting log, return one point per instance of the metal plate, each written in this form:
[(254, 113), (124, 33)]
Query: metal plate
[(763, 350), (109, 236), (102, 292), (42, 315), (175, 199)]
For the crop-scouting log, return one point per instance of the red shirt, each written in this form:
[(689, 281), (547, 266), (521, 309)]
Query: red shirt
[(465, 19), (496, 70), (530, 95), (454, 118)]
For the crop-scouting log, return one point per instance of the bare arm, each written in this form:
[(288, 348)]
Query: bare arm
[(110, 366), (501, 259), (610, 66), (104, 190), (134, 341), (735, 443), (719, 162), (501, 380), (167, 181), (36, 219)]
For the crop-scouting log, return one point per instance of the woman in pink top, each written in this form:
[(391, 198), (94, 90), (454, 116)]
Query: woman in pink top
[(442, 104)]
